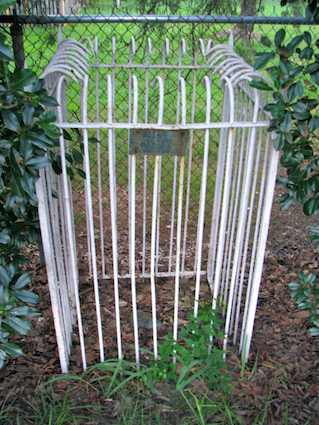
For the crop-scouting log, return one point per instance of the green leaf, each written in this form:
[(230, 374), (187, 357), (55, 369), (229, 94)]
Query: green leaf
[(10, 120), (308, 37), (285, 125), (295, 42), (6, 53), (313, 124), (38, 162), (19, 325), (263, 59), (22, 78), (27, 296), (24, 311), (314, 331), (306, 53), (265, 41), (22, 281), (4, 237), (4, 276), (295, 90), (49, 101), (311, 206), (260, 85), (12, 350), (279, 37), (27, 114)]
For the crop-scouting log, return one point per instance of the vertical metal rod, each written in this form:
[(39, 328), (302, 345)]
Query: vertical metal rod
[(242, 219), (261, 247), (130, 61), (145, 165), (178, 246), (237, 184), (182, 84), (69, 226), (51, 271), (61, 247), (201, 213), (98, 155), (239, 290), (172, 216), (182, 51), (132, 226), (90, 216), (154, 219), (158, 214), (153, 253), (234, 218), (256, 234), (190, 160), (113, 199), (217, 195), (166, 50), (226, 194)]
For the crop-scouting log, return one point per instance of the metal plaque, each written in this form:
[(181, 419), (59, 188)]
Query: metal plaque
[(158, 142)]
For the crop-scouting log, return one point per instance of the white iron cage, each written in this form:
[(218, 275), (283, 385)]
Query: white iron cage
[(175, 205)]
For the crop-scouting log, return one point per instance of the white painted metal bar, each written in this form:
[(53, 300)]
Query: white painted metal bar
[(51, 270), (98, 159), (132, 226), (89, 206), (69, 227), (145, 163), (154, 219), (225, 198), (261, 247), (202, 201), (154, 126), (182, 51), (239, 289), (130, 87), (190, 162), (256, 234), (235, 201), (221, 158), (113, 208), (182, 84), (54, 205), (242, 220), (166, 52), (153, 66)]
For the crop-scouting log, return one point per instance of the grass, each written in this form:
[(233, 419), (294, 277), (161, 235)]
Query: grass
[(103, 395)]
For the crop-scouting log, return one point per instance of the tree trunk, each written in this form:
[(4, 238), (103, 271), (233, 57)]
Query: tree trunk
[(247, 8)]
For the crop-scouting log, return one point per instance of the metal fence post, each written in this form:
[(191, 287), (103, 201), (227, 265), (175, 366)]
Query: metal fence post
[(16, 32)]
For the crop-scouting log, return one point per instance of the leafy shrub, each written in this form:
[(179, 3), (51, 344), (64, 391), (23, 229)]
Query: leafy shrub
[(28, 137), (292, 67), (15, 299), (305, 293)]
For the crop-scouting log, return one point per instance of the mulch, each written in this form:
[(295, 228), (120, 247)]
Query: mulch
[(284, 375)]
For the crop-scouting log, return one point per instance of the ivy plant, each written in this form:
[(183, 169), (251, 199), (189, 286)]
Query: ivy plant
[(291, 66)]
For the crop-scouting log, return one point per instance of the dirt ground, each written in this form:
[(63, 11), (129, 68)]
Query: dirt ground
[(287, 359)]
